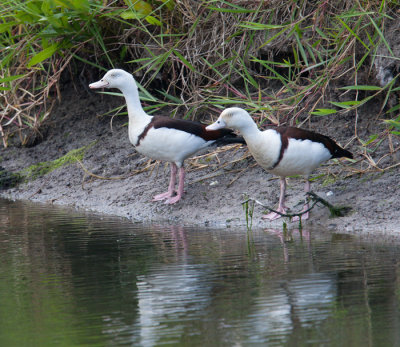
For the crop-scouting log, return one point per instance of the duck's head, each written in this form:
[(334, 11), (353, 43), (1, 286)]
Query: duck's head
[(115, 78), (234, 117)]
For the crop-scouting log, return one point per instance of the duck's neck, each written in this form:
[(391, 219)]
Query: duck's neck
[(250, 131), (135, 109)]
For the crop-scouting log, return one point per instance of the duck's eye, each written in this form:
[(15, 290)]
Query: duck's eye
[(218, 121)]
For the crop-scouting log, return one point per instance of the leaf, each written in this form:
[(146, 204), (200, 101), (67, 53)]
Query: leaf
[(346, 104), (393, 123), (184, 61), (361, 87), (394, 108), (323, 111), (10, 78), (230, 10), (140, 6), (132, 15), (171, 97), (169, 3), (354, 34), (43, 55), (354, 14), (260, 26), (372, 138), (315, 65), (381, 35), (153, 20), (5, 26), (82, 5)]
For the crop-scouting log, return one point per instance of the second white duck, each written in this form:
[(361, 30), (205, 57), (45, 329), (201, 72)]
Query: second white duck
[(283, 151)]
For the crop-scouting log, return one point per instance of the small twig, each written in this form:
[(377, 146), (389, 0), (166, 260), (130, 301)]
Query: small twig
[(38, 191), (334, 210), (289, 215)]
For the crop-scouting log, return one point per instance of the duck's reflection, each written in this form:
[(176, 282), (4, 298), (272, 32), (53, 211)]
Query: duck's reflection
[(171, 293), (174, 292)]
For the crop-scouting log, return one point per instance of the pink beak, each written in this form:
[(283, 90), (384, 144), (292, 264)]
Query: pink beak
[(99, 84)]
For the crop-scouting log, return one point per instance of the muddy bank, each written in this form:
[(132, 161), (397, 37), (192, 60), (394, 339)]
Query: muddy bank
[(217, 181)]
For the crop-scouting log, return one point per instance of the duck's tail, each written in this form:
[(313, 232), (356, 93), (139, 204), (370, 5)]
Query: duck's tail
[(341, 152)]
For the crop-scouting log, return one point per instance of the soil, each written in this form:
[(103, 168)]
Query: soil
[(216, 182)]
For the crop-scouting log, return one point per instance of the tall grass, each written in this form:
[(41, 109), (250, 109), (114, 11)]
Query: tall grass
[(38, 39), (281, 60)]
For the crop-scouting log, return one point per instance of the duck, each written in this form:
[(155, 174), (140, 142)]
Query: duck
[(282, 151), (161, 137)]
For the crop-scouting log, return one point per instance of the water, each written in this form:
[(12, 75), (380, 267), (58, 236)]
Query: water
[(69, 279)]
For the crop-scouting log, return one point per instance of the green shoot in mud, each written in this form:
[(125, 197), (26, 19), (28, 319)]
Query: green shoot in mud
[(38, 170), (248, 206)]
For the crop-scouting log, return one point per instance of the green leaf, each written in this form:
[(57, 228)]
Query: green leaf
[(140, 6), (230, 10), (171, 97), (381, 35), (82, 5), (5, 26), (354, 14), (372, 138), (354, 34), (169, 3), (394, 108), (184, 61), (323, 111), (260, 26), (361, 87), (346, 104), (43, 55), (153, 21), (10, 78), (393, 123), (132, 15)]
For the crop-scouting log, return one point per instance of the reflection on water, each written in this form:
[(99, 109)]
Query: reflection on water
[(71, 279)]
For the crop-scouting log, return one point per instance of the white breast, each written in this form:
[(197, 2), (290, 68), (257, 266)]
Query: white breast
[(301, 158), (170, 145), (265, 147)]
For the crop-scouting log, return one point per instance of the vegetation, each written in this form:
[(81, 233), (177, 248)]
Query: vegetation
[(43, 168), (286, 61)]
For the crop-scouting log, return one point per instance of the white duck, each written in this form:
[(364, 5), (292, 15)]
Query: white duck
[(283, 151), (163, 138)]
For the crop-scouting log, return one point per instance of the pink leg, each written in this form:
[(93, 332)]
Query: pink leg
[(281, 207), (171, 187), (173, 200), (305, 216)]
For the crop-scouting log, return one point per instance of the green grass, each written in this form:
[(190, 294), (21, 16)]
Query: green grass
[(40, 169), (280, 60)]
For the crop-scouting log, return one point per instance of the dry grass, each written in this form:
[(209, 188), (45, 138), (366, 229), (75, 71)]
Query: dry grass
[(286, 62)]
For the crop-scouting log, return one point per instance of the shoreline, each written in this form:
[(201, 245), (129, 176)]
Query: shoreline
[(217, 181)]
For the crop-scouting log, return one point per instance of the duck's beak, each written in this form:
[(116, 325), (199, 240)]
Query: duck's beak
[(219, 124), (99, 84)]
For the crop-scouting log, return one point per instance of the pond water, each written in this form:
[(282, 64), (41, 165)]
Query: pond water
[(75, 279)]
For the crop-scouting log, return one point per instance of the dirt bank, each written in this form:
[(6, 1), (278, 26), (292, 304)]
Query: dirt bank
[(214, 190)]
